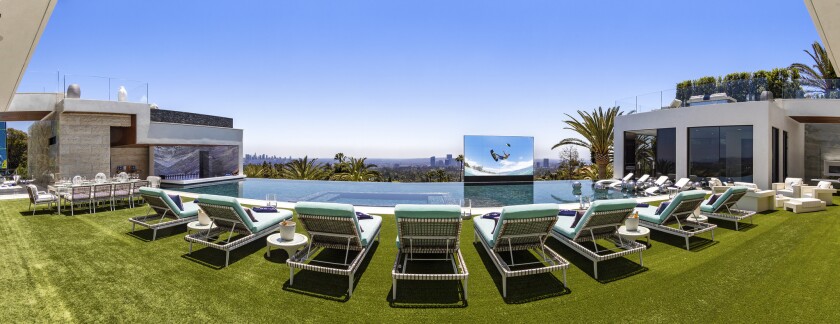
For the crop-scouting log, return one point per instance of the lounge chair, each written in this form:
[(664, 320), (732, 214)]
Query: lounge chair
[(791, 188), (657, 186), (334, 226), (428, 229), (228, 216), (601, 220), (677, 212), (722, 209), (680, 185), (520, 228), (614, 182), (167, 213)]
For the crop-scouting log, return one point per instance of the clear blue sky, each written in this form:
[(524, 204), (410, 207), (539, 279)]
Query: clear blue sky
[(410, 78)]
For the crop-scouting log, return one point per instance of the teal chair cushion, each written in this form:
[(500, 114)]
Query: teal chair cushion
[(232, 203), (369, 229), (427, 211), (190, 209), (525, 211), (484, 227), (650, 216), (721, 200), (564, 223), (330, 209), (266, 220)]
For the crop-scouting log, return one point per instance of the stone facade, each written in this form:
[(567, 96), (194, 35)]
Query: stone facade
[(137, 156), (180, 117), (84, 143)]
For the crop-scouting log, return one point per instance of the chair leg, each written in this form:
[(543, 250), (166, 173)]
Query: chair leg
[(466, 284), (154, 234), (641, 261), (291, 276), (504, 286), (687, 247), (394, 293), (350, 287), (227, 258), (596, 269)]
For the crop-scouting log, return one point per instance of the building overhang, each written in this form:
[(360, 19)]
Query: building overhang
[(21, 24), (824, 13)]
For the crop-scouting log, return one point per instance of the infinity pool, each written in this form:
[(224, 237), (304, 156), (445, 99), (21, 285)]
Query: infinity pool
[(389, 194)]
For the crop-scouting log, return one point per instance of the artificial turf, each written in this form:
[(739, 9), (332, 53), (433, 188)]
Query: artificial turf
[(89, 268)]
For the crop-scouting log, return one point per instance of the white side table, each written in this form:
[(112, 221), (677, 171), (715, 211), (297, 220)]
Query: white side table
[(631, 236), (697, 218), (196, 226), (290, 246)]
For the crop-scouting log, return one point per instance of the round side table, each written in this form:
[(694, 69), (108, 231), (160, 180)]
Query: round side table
[(291, 246), (631, 236), (196, 226)]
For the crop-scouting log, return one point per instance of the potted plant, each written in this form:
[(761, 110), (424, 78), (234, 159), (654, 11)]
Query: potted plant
[(632, 223), (287, 230)]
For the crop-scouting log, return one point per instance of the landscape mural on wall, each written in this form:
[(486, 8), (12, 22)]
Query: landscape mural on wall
[(186, 161)]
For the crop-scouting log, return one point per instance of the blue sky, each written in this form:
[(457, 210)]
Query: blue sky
[(409, 78)]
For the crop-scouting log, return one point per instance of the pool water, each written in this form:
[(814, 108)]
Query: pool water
[(389, 194)]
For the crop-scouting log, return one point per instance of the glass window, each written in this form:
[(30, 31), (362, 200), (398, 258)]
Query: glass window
[(666, 152), (723, 152)]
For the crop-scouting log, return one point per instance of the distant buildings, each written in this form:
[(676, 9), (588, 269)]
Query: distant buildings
[(432, 161), (448, 160), (545, 163)]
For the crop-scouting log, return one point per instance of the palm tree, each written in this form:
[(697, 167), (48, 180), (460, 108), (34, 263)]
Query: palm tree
[(820, 75), (596, 128), (358, 170), (304, 169), (460, 160)]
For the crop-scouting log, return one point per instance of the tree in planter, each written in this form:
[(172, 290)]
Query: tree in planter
[(596, 128), (822, 74), (684, 90), (705, 85), (737, 85)]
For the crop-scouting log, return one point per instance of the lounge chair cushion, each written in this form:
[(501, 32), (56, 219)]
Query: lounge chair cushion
[(187, 210), (329, 209), (524, 212), (369, 229), (427, 211), (264, 220), (177, 200), (645, 213), (711, 207), (571, 228), (824, 185), (485, 227)]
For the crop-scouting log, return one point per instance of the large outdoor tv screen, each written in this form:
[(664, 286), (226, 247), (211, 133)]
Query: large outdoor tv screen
[(498, 158)]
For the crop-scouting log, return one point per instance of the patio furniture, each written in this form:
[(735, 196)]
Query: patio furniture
[(680, 185), (40, 198), (198, 226), (824, 191), (78, 195), (791, 188), (334, 226), (804, 205), (520, 228), (154, 181), (677, 212), (657, 186), (101, 193), (601, 221), (167, 213), (121, 191), (134, 195), (290, 246), (632, 236), (424, 230), (612, 182), (229, 217), (757, 201), (723, 206)]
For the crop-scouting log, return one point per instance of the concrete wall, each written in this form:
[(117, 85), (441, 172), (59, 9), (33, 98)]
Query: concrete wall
[(22, 24), (84, 142), (138, 156), (762, 115)]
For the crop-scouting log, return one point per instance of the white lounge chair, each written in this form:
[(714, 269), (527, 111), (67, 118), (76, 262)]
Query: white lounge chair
[(613, 182), (657, 186), (824, 191)]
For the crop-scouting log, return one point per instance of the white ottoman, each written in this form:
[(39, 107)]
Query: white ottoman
[(804, 205)]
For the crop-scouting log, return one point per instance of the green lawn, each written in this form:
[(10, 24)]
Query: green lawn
[(89, 268)]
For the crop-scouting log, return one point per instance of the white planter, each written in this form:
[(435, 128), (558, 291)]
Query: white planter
[(287, 232), (203, 219), (632, 224)]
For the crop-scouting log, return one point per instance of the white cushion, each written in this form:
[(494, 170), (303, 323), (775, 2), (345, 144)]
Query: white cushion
[(824, 185), (790, 182)]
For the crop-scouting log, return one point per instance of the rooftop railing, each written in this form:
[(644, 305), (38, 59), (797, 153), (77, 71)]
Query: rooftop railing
[(730, 92), (92, 87)]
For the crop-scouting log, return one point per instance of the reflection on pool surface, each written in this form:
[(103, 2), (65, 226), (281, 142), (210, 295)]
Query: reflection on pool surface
[(388, 194)]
